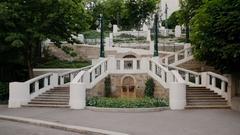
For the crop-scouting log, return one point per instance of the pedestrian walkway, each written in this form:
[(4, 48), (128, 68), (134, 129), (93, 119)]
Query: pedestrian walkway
[(186, 122)]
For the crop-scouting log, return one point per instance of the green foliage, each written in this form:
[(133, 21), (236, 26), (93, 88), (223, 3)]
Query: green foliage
[(188, 8), (69, 51), (55, 63), (107, 87), (149, 89), (23, 26), (215, 34), (128, 14), (4, 93), (126, 102), (172, 21)]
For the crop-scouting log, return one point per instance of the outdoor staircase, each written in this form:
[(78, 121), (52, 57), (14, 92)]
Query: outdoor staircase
[(57, 97), (203, 98)]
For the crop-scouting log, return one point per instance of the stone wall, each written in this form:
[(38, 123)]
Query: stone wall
[(140, 80), (83, 52)]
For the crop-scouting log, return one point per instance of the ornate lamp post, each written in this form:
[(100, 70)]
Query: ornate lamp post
[(155, 54)]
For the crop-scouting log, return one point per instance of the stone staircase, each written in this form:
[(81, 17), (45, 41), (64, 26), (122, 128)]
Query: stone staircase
[(201, 97), (57, 97)]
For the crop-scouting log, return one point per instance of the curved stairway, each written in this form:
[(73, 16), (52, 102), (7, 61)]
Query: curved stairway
[(57, 97), (201, 97)]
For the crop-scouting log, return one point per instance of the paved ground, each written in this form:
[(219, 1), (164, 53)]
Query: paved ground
[(187, 122), (15, 128)]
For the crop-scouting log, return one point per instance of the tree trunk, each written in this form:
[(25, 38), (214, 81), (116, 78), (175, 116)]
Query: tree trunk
[(28, 59), (187, 32), (30, 68)]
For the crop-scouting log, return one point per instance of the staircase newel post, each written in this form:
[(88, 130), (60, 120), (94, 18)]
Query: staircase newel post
[(54, 80), (204, 79)]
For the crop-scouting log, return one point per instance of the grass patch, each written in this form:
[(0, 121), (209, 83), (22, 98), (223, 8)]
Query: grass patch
[(126, 102), (63, 64)]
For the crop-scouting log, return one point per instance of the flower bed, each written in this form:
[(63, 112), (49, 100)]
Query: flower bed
[(126, 102)]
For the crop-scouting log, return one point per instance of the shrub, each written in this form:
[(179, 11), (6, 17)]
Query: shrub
[(69, 51), (55, 63), (126, 102), (149, 89), (107, 87), (3, 92)]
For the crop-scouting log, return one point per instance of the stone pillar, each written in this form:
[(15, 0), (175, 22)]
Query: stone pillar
[(19, 94), (115, 28), (177, 96), (77, 96), (178, 31)]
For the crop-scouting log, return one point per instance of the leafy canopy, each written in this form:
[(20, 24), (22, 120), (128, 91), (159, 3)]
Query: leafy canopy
[(25, 23), (215, 34)]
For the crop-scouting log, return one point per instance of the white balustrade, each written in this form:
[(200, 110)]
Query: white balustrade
[(67, 77), (217, 83), (178, 57), (20, 93)]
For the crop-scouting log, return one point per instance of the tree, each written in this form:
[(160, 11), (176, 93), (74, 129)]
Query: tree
[(215, 34), (188, 9), (137, 12), (172, 21), (25, 24), (128, 14)]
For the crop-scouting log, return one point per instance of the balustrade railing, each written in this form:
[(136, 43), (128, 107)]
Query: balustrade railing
[(178, 57), (21, 93), (217, 83), (67, 77), (160, 73), (213, 81)]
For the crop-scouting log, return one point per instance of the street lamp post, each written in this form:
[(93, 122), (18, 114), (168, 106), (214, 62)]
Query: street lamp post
[(155, 54), (102, 54)]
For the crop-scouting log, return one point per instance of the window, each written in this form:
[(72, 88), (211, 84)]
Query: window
[(138, 64), (150, 65), (128, 64), (118, 65)]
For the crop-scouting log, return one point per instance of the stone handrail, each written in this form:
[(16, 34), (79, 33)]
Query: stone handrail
[(160, 73), (213, 81), (177, 77), (217, 83), (20, 93), (67, 77), (178, 57), (192, 78)]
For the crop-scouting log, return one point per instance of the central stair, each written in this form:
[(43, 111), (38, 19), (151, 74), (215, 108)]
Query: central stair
[(203, 98), (57, 97)]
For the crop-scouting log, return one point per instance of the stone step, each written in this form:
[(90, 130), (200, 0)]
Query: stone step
[(49, 106), (56, 95), (203, 91), (49, 102), (61, 88), (52, 97), (205, 100), (59, 92), (207, 103), (207, 107), (204, 97)]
